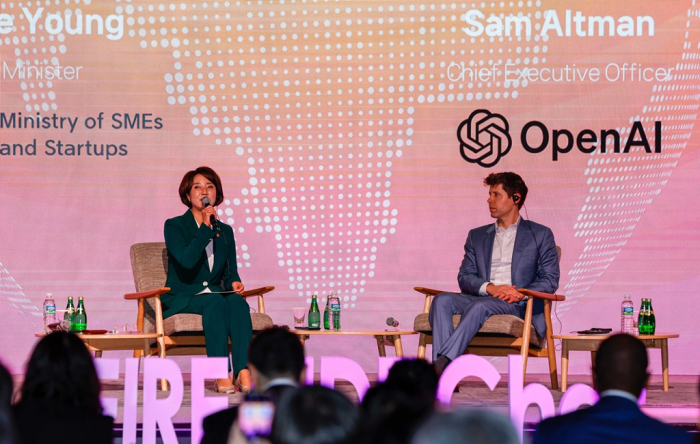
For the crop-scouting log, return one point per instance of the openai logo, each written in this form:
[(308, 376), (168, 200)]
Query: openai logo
[(484, 138)]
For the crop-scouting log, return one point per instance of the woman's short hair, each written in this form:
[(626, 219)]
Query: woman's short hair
[(61, 370), (188, 181), (314, 415)]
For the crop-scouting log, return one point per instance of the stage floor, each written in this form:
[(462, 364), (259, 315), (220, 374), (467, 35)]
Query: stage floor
[(678, 406)]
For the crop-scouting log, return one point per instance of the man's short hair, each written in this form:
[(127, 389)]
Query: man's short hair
[(621, 363), (276, 351), (415, 376), (512, 184), (314, 414), (468, 427)]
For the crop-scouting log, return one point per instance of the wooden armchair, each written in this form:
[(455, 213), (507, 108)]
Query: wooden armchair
[(182, 334), (501, 335)]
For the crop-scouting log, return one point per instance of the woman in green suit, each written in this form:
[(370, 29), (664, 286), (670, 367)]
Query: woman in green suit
[(202, 262)]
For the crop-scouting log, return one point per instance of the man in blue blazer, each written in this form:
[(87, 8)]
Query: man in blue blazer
[(619, 375), (498, 259)]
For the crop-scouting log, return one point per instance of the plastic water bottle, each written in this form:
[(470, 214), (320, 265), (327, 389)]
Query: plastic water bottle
[(334, 315), (49, 312), (627, 324)]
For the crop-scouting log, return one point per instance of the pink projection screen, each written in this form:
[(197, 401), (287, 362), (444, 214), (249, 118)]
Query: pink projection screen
[(352, 138)]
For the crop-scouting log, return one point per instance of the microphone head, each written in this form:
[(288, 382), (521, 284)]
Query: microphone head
[(206, 201), (391, 322)]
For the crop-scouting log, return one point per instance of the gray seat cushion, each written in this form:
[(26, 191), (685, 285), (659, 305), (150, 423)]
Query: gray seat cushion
[(186, 322), (495, 325)]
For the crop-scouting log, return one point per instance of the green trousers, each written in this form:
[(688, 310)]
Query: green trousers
[(224, 316)]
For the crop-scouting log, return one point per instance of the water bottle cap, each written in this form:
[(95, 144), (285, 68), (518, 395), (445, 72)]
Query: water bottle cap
[(48, 295)]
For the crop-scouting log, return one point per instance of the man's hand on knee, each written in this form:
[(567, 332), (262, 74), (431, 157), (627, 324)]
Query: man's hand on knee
[(504, 292)]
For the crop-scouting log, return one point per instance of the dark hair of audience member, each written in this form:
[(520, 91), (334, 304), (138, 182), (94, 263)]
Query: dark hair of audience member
[(6, 387), (621, 363), (391, 411), (466, 427), (276, 352), (416, 377), (314, 415), (389, 414), (61, 370), (7, 433)]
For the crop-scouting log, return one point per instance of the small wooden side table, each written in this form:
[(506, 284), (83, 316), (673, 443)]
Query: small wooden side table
[(591, 343), (116, 341), (384, 338)]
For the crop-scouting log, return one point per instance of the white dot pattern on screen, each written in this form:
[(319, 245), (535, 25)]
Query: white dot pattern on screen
[(312, 86), (622, 187), (262, 74)]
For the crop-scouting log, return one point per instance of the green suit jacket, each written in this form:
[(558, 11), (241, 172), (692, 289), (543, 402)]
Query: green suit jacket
[(188, 268)]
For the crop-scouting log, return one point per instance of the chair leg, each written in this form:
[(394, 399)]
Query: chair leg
[(551, 355), (524, 353), (421, 346), (161, 354), (550, 346)]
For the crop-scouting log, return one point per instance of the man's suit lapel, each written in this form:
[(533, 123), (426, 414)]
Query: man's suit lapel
[(522, 236), (487, 249)]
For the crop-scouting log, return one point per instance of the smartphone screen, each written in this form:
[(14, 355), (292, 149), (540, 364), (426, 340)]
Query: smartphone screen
[(255, 418)]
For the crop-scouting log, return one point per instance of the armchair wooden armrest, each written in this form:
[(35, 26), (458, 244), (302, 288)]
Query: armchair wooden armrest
[(259, 292), (158, 308), (544, 296), (147, 294), (429, 293)]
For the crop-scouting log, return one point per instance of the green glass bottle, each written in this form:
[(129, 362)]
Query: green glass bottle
[(70, 312), (325, 314), (314, 314), (80, 317), (647, 318), (641, 319), (652, 319)]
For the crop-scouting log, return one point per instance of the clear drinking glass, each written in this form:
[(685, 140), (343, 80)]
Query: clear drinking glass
[(299, 316)]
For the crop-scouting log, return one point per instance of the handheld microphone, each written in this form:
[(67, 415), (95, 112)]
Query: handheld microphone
[(391, 322), (212, 220)]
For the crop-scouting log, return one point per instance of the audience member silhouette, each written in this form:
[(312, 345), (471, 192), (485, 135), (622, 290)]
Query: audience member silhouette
[(416, 377), (466, 427), (7, 434), (314, 415), (619, 375), (60, 396), (391, 411), (276, 363), (696, 437), (6, 387)]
